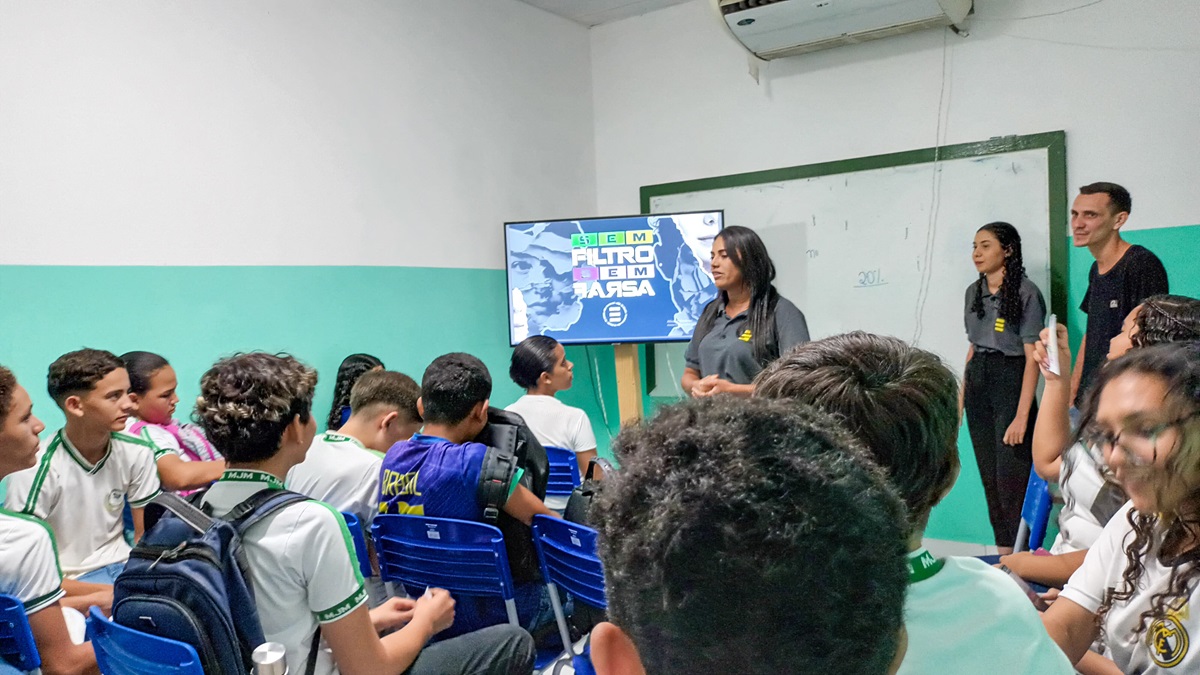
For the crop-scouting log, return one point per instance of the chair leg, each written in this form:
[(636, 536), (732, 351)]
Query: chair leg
[(1022, 535), (561, 618), (511, 607)]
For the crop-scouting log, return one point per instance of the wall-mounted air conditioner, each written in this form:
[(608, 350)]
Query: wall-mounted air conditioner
[(776, 28)]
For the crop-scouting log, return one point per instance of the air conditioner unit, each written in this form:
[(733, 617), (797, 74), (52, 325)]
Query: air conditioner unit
[(776, 28)]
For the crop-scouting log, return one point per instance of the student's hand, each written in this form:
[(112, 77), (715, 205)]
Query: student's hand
[(704, 386), (393, 613), (1015, 433), (1041, 350), (1017, 562), (1050, 595), (437, 607)]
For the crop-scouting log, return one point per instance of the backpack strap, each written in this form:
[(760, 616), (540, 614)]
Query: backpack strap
[(169, 501), (260, 505), (598, 462), (499, 467)]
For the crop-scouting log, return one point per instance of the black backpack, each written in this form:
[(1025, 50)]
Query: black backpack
[(581, 497), (187, 580), (511, 445)]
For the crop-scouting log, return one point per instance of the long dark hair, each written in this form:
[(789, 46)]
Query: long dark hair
[(1014, 273), (142, 366), (352, 368), (749, 254), (1176, 485), (1167, 318)]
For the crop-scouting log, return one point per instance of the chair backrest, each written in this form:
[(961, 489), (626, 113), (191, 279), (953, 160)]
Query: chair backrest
[(564, 471), (16, 640), (125, 651), (463, 557), (1035, 512), (568, 555), (360, 544)]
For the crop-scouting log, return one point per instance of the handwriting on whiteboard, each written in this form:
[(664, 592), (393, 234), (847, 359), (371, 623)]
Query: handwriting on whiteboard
[(870, 278)]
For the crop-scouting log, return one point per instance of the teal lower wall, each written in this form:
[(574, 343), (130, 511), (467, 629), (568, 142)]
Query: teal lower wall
[(406, 316)]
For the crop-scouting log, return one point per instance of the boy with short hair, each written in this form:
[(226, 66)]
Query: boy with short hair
[(437, 473), (28, 561), (342, 467), (748, 536), (902, 404), (89, 469)]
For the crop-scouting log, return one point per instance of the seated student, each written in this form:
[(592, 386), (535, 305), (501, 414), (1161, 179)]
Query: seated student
[(184, 457), (540, 367), (749, 536), (1090, 497), (342, 467), (901, 403), (1135, 588), (437, 473), (87, 472), (28, 562), (257, 411)]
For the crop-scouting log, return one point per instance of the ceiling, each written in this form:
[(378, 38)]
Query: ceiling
[(596, 12)]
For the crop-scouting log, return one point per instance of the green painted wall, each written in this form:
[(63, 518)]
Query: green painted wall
[(406, 316)]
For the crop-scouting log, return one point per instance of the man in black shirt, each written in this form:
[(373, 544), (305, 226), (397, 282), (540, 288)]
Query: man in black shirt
[(1122, 277)]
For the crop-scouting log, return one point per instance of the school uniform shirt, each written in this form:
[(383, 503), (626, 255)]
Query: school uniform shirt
[(1110, 297), (727, 350), (1168, 645), (964, 616), (993, 333), (302, 566), (28, 561), (558, 424), (83, 503), (342, 472), (1089, 501), (430, 476)]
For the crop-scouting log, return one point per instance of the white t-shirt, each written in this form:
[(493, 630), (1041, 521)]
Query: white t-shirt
[(968, 617), (558, 424), (1166, 645), (302, 566), (1088, 501), (341, 472), (28, 561), (83, 503)]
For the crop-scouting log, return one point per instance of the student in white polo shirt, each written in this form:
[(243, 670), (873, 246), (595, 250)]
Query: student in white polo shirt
[(28, 562), (962, 615), (257, 411), (89, 469), (342, 467), (540, 367)]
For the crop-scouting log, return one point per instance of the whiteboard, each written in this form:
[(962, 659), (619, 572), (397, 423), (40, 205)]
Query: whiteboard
[(885, 250)]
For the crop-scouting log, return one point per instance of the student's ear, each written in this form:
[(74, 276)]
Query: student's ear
[(613, 653), (73, 406), (1122, 217), (388, 420), (481, 411), (421, 407)]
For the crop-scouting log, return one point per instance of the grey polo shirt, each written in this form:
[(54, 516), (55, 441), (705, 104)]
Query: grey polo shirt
[(992, 332), (727, 350)]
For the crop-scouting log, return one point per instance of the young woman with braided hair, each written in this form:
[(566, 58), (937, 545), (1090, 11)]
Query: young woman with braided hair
[(352, 368), (1134, 590), (1004, 316)]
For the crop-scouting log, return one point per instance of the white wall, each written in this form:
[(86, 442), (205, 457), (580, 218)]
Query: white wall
[(295, 132), (674, 101)]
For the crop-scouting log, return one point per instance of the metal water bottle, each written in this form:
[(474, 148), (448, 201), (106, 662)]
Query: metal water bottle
[(270, 658)]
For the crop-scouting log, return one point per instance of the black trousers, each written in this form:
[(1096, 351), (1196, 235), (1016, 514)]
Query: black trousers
[(991, 393)]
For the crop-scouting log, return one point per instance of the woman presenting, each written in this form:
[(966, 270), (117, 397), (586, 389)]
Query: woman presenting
[(747, 326)]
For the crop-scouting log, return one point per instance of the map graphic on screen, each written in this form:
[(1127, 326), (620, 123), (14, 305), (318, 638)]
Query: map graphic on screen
[(610, 280)]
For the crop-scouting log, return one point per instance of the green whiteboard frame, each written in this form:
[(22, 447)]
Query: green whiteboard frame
[(1054, 142)]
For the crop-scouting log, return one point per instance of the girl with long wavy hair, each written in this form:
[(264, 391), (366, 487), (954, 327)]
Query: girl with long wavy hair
[(1004, 316)]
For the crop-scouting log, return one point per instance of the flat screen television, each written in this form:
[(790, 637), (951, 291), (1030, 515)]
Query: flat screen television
[(610, 280)]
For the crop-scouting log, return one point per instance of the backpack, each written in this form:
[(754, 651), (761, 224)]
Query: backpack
[(581, 497), (511, 445), (191, 439), (186, 580)]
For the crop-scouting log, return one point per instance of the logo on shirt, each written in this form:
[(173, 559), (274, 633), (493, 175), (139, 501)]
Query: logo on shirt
[(115, 501), (745, 336), (1112, 304), (615, 314), (1168, 641), (999, 325), (396, 484)]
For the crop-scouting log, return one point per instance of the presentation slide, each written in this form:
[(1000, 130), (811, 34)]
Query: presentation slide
[(610, 280)]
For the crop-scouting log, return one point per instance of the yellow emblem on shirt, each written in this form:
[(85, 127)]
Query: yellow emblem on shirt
[(999, 325), (1167, 639), (745, 336)]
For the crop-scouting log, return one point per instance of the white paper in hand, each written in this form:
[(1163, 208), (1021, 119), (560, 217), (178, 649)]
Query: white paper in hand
[(1052, 347)]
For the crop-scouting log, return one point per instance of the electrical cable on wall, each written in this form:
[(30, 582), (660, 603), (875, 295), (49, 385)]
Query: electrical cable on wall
[(597, 391), (935, 198)]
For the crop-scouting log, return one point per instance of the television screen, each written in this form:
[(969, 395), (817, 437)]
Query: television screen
[(610, 280)]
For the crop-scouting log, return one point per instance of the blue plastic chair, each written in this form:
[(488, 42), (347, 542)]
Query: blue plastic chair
[(1035, 513), (567, 552), (17, 646), (564, 472), (463, 557), (360, 544), (125, 651)]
